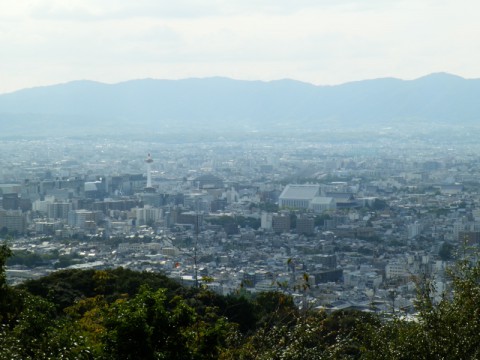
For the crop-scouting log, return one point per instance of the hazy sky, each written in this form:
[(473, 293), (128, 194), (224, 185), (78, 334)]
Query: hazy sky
[(44, 42)]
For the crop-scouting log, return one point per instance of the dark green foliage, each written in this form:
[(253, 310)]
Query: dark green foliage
[(446, 252), (275, 308), (5, 253), (241, 221), (10, 299), (348, 324), (293, 220), (244, 221), (222, 220), (122, 314), (65, 287), (320, 219), (38, 334), (65, 261), (310, 336), (25, 258), (379, 204), (131, 331), (4, 232), (269, 207), (240, 310), (31, 259), (449, 329), (149, 326)]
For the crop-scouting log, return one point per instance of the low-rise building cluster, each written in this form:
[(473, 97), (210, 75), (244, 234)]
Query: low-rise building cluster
[(336, 230)]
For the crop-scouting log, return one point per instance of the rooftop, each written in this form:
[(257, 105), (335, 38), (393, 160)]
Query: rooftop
[(306, 192)]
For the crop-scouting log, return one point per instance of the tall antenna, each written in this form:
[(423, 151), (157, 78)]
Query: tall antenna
[(195, 248), (149, 162)]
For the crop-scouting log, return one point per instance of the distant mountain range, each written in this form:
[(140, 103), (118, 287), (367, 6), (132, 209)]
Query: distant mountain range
[(221, 104)]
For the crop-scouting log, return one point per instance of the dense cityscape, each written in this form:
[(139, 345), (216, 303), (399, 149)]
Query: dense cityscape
[(335, 224), (239, 180)]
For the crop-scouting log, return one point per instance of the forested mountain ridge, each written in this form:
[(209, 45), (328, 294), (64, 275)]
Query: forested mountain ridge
[(226, 104)]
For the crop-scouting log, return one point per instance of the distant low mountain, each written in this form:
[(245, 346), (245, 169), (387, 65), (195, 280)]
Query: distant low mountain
[(221, 104)]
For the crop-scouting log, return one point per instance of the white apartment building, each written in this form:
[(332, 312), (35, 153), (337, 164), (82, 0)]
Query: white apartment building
[(396, 269)]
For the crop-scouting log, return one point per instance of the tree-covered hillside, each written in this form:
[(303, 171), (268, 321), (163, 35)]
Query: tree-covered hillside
[(220, 105), (122, 314)]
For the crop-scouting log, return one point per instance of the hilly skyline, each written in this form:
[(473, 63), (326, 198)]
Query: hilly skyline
[(223, 104)]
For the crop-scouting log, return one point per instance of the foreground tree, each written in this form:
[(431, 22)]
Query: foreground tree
[(315, 335), (449, 329), (150, 326), (30, 328)]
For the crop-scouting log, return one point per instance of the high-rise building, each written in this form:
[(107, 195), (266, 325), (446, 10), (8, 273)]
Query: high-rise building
[(305, 225), (266, 220), (148, 215), (13, 221), (58, 210), (83, 219), (469, 237), (281, 223), (10, 201)]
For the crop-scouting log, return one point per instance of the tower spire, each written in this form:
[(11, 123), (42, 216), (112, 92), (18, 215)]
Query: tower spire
[(149, 162)]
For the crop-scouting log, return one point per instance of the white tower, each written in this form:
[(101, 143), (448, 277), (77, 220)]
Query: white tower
[(149, 162)]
